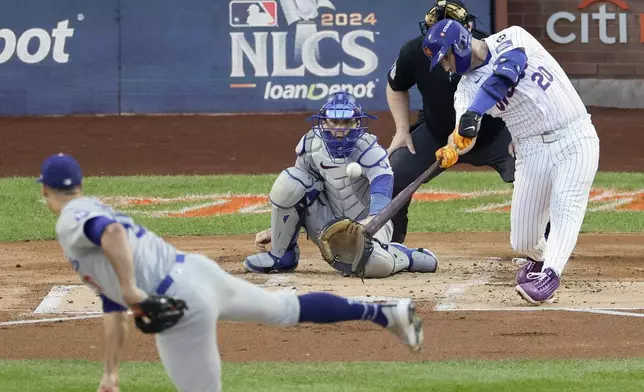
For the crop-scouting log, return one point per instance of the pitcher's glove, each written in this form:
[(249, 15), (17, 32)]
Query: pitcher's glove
[(345, 246), (158, 313)]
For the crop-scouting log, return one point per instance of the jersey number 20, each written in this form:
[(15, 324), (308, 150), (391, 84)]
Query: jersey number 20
[(542, 77)]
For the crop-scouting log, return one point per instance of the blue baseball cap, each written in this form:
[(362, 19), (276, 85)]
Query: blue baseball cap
[(60, 171)]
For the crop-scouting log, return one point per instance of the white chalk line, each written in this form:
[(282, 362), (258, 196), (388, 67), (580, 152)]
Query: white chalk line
[(48, 320), (281, 281), (455, 291), (604, 311), (609, 312)]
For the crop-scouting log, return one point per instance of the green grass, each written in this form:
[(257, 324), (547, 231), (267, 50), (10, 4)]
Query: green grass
[(493, 376), (24, 217)]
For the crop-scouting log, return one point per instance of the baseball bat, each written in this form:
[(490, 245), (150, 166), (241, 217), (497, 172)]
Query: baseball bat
[(396, 204)]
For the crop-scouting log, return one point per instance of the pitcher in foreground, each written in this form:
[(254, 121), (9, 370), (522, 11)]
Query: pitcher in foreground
[(180, 296)]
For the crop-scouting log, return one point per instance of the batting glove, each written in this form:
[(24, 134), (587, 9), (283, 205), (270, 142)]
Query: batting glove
[(468, 126), (447, 155)]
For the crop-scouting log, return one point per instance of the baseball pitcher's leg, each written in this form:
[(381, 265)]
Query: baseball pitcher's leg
[(243, 301), (189, 350), (407, 167), (293, 190), (573, 177)]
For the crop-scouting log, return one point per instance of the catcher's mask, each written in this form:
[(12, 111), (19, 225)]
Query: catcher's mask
[(340, 123), (447, 9)]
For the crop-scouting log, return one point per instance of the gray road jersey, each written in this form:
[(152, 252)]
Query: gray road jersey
[(346, 196), (153, 257)]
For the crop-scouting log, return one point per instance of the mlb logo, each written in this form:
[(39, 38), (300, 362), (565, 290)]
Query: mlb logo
[(245, 13)]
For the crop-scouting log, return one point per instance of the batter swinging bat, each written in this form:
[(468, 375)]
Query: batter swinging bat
[(396, 204), (347, 240)]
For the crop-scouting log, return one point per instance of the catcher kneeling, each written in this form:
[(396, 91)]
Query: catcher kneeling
[(319, 195)]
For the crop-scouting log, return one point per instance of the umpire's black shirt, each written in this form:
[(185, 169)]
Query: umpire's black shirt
[(436, 88)]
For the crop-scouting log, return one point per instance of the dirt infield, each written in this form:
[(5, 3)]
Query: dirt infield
[(469, 307), (247, 144)]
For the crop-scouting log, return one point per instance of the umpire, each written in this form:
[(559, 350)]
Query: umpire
[(412, 148)]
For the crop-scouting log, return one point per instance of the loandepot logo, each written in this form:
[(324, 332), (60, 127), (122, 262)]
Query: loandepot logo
[(603, 19), (34, 45), (317, 42), (194, 206), (316, 91)]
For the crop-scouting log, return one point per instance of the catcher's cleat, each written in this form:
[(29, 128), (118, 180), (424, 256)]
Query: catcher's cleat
[(420, 259), (404, 322), (266, 263)]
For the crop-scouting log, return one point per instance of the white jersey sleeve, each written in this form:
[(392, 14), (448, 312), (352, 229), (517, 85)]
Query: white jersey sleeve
[(544, 99), (463, 98), (511, 38)]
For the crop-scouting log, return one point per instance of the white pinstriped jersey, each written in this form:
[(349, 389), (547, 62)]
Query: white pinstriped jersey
[(544, 100)]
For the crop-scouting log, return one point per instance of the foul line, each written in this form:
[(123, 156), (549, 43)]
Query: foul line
[(48, 320), (610, 311)]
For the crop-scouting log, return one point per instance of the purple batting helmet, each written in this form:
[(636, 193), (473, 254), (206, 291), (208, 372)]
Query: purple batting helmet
[(340, 142), (445, 35)]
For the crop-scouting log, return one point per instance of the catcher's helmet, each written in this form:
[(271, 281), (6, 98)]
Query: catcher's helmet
[(446, 9), (449, 35), (340, 123)]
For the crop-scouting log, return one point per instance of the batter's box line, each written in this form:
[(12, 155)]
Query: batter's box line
[(602, 311), (456, 291)]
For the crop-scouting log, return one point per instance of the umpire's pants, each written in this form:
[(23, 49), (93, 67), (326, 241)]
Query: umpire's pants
[(489, 150)]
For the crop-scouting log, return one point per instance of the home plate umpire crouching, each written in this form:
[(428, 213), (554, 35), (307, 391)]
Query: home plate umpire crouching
[(412, 148)]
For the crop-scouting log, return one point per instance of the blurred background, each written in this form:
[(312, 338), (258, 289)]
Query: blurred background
[(208, 87)]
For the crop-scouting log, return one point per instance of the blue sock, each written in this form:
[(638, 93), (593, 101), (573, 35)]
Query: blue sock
[(329, 308)]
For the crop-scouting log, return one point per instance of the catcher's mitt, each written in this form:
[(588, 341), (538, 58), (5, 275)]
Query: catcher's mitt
[(158, 313), (345, 246)]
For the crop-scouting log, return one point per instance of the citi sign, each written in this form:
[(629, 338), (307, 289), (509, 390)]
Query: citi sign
[(602, 16)]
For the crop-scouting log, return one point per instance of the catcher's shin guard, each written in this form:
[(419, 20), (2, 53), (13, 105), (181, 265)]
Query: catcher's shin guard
[(417, 259), (382, 263), (292, 192)]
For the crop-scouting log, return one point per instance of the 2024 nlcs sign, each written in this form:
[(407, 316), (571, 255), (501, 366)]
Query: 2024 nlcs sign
[(339, 49)]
